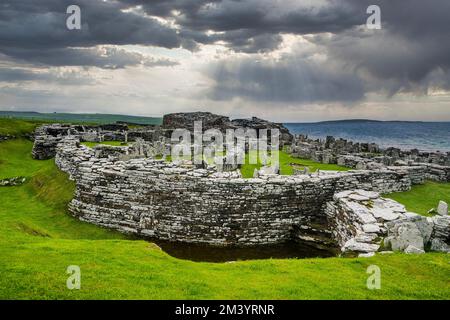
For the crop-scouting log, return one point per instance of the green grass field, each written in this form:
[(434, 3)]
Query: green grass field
[(424, 197), (287, 164), (86, 118), (108, 143), (39, 240), (17, 127)]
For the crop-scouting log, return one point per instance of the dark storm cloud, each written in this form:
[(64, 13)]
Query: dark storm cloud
[(253, 25), (248, 26), (36, 31), (287, 80), (103, 57), (392, 63), (410, 54), (42, 24), (411, 18), (18, 75)]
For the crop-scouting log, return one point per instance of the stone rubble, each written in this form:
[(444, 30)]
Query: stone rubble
[(363, 223), (442, 208), (11, 182), (6, 137)]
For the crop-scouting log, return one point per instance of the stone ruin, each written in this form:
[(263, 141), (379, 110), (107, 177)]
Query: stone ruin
[(131, 190), (12, 182), (369, 156), (213, 121), (47, 137), (365, 223), (6, 137)]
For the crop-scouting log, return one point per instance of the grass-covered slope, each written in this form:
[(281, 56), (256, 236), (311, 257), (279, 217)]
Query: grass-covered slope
[(39, 240), (16, 160), (39, 206), (422, 198), (86, 118), (17, 127)]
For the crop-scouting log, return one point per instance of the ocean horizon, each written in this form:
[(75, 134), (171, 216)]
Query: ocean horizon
[(425, 136)]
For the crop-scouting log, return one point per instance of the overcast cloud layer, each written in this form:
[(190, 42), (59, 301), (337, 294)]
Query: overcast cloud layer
[(289, 60)]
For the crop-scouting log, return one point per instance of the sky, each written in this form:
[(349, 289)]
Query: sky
[(287, 61)]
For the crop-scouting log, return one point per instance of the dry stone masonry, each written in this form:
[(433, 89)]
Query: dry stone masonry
[(362, 222), (160, 199), (128, 189), (368, 156), (12, 182), (6, 137)]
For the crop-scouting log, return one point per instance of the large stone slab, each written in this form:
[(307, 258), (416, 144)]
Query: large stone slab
[(404, 234), (442, 208)]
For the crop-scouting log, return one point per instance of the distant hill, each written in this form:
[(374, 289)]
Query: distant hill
[(349, 121), (366, 121), (81, 117)]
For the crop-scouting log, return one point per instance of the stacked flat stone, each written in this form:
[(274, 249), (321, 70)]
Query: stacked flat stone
[(12, 182), (368, 156), (154, 198), (125, 188), (364, 223), (6, 137)]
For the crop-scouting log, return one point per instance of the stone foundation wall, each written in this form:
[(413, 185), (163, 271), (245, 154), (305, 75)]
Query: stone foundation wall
[(157, 199), (418, 172), (47, 137), (45, 147)]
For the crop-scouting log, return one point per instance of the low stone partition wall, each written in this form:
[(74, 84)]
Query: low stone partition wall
[(47, 137), (6, 137), (421, 172), (418, 172), (437, 172), (12, 182), (45, 147), (157, 199)]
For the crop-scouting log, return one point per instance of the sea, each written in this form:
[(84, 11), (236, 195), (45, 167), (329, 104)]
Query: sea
[(425, 136)]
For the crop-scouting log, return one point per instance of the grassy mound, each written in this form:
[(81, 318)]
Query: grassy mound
[(17, 127), (16, 160)]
